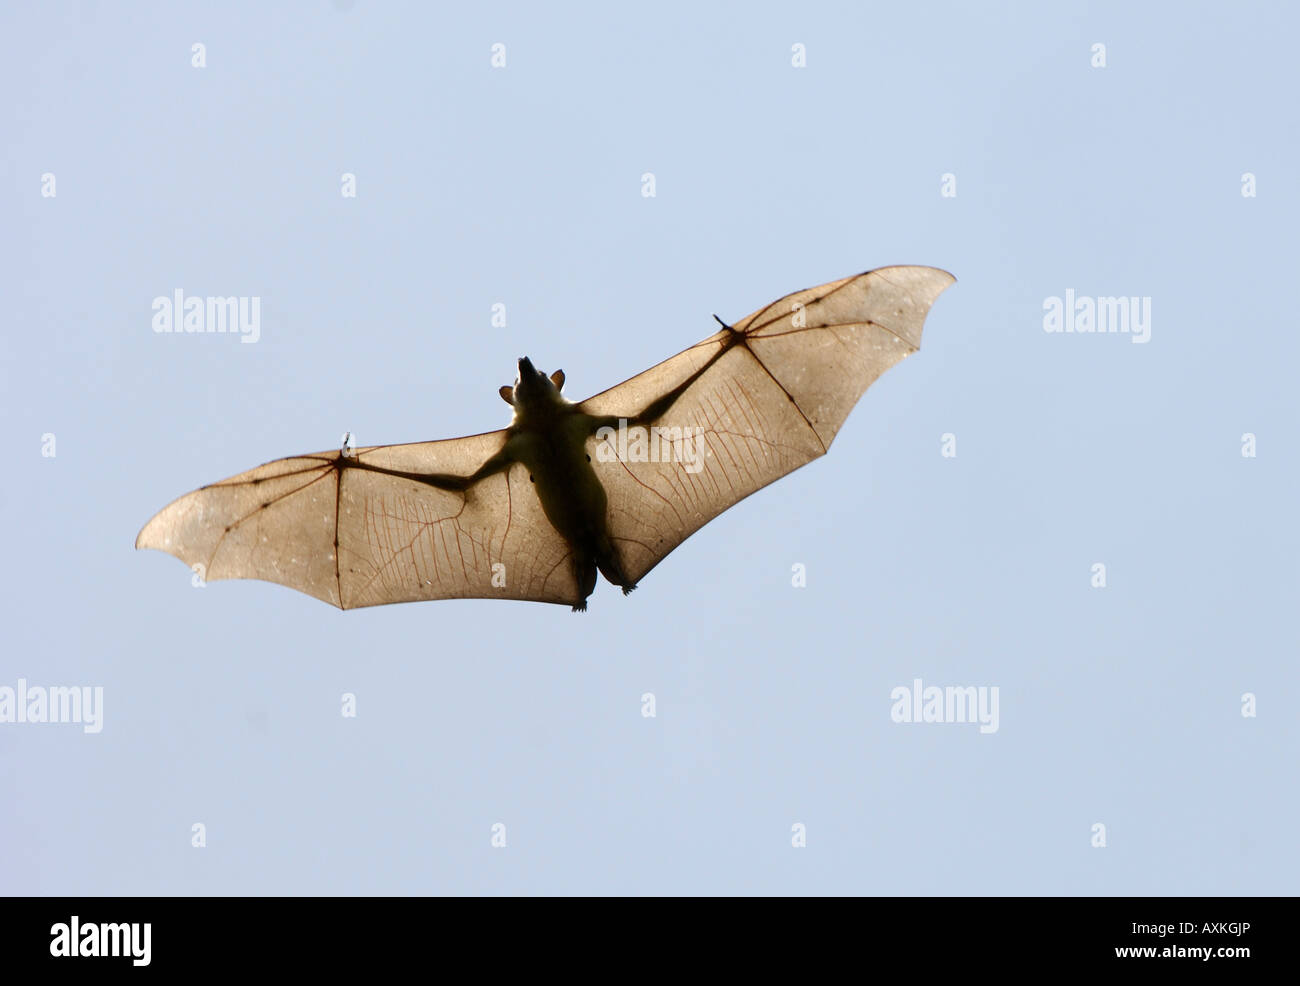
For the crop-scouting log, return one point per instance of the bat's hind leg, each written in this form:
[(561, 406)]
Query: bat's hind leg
[(612, 568), (584, 573)]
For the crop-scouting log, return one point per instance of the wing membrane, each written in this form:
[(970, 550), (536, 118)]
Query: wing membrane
[(354, 537), (763, 409)]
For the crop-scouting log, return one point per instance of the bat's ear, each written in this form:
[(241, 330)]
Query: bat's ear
[(557, 378), (507, 394)]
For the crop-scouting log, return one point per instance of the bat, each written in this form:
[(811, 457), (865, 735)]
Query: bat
[(611, 484)]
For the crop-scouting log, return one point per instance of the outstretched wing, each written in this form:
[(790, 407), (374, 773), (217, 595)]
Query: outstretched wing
[(357, 537), (772, 401)]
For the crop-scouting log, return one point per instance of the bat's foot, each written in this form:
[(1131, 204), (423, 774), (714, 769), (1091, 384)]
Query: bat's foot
[(580, 607), (627, 589)]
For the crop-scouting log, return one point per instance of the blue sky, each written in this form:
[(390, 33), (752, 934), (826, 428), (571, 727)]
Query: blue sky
[(522, 186)]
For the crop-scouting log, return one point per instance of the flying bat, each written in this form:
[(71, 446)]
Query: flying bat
[(611, 484)]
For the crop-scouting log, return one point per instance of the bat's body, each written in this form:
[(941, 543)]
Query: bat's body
[(549, 437), (532, 512)]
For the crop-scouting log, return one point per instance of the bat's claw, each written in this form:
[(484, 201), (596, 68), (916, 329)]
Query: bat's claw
[(627, 589), (580, 607)]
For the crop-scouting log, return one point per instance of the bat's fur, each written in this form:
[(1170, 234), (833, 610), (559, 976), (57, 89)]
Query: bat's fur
[(548, 434)]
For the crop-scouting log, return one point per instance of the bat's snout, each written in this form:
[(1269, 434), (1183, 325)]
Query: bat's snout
[(526, 367)]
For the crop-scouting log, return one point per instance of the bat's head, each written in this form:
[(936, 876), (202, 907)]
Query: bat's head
[(533, 388)]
